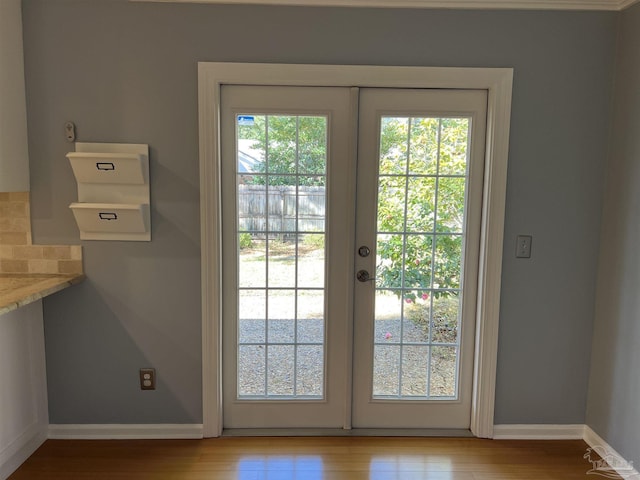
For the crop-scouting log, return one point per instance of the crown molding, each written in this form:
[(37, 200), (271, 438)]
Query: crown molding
[(611, 5), (624, 4)]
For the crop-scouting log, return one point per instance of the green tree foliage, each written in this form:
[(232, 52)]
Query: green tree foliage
[(413, 194), (289, 145), (412, 153)]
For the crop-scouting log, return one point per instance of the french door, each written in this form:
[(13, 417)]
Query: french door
[(349, 278), (419, 184), (286, 177)]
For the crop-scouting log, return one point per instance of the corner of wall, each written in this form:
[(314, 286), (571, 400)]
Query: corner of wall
[(24, 418)]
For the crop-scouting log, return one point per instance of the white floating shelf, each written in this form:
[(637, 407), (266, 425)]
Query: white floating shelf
[(113, 191)]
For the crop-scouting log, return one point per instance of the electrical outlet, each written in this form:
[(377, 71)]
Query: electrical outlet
[(523, 246), (147, 379)]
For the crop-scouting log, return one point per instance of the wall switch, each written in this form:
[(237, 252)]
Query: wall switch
[(523, 246), (147, 379)]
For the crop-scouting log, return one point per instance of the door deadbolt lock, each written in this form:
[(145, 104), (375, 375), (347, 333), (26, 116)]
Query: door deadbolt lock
[(364, 251), (363, 276)]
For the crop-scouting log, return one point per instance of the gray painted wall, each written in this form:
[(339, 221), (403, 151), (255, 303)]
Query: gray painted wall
[(126, 72), (614, 387), (14, 155)]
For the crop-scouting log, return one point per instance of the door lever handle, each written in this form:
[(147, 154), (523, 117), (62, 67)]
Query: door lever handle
[(363, 276)]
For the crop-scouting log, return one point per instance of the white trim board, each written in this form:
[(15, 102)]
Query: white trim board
[(497, 81), (614, 5), (624, 4), (567, 432), (538, 432), (19, 451), (594, 441), (125, 431)]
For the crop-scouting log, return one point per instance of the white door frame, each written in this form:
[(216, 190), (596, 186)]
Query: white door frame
[(497, 81)]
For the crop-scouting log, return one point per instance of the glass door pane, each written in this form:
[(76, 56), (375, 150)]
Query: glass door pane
[(422, 183), (281, 198)]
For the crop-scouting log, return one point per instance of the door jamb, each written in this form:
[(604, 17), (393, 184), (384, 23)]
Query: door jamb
[(497, 81)]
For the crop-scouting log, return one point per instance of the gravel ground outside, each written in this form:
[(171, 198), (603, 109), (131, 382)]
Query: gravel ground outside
[(279, 368)]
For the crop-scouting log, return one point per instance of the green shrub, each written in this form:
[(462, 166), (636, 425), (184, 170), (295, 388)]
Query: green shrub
[(245, 240), (314, 240)]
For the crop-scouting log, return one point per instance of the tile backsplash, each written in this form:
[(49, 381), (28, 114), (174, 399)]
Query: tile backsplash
[(15, 227), (18, 254)]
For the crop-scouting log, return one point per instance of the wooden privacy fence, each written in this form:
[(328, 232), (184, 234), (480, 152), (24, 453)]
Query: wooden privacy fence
[(278, 205)]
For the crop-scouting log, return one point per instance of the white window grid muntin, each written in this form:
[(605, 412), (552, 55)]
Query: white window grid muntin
[(267, 233), (434, 233)]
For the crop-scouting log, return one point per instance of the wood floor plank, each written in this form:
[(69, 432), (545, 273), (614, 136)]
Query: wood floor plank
[(307, 458)]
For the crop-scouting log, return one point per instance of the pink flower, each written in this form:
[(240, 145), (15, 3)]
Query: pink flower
[(388, 335), (408, 300), (425, 296)]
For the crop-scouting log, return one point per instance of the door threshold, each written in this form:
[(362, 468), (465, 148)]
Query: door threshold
[(341, 432)]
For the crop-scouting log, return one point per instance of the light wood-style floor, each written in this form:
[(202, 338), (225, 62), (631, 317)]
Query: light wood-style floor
[(308, 458)]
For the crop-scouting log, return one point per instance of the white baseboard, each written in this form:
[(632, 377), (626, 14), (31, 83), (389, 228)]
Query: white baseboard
[(18, 452), (125, 431), (538, 432), (11, 458), (616, 461), (572, 432)]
